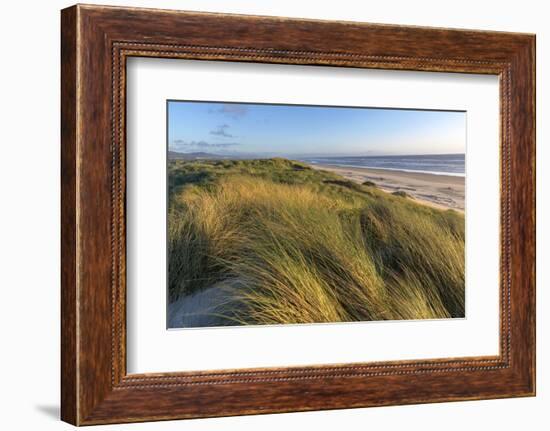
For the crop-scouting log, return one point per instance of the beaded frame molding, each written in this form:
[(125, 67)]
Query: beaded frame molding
[(95, 43)]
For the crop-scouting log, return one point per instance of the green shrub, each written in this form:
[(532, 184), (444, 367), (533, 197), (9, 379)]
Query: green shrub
[(401, 194)]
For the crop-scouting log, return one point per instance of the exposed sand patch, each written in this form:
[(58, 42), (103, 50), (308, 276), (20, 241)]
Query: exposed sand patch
[(213, 306)]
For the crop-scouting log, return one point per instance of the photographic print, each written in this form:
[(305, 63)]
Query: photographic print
[(297, 214), (257, 224)]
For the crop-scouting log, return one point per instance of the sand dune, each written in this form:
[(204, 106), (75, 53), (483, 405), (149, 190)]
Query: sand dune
[(441, 191)]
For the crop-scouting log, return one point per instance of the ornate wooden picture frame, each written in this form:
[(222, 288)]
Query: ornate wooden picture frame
[(96, 41)]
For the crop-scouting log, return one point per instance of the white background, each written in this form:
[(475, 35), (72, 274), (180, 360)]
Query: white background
[(29, 227), (153, 349)]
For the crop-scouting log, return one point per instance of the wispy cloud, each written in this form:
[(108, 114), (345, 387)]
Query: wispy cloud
[(233, 110), (221, 130), (183, 145)]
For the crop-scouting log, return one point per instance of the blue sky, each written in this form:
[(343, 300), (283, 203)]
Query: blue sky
[(286, 130)]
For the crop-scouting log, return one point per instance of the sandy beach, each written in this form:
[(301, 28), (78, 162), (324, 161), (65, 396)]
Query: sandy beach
[(441, 191)]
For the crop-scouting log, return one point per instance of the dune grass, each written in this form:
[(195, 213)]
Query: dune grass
[(308, 246)]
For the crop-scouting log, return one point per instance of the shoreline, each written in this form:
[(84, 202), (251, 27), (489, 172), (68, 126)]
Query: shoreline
[(410, 171), (436, 190)]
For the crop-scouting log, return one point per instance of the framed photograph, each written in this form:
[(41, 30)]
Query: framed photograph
[(264, 215)]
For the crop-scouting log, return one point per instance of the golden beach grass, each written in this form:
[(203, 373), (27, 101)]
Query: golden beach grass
[(305, 246)]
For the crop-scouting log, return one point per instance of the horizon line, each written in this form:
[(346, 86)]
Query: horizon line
[(318, 155)]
